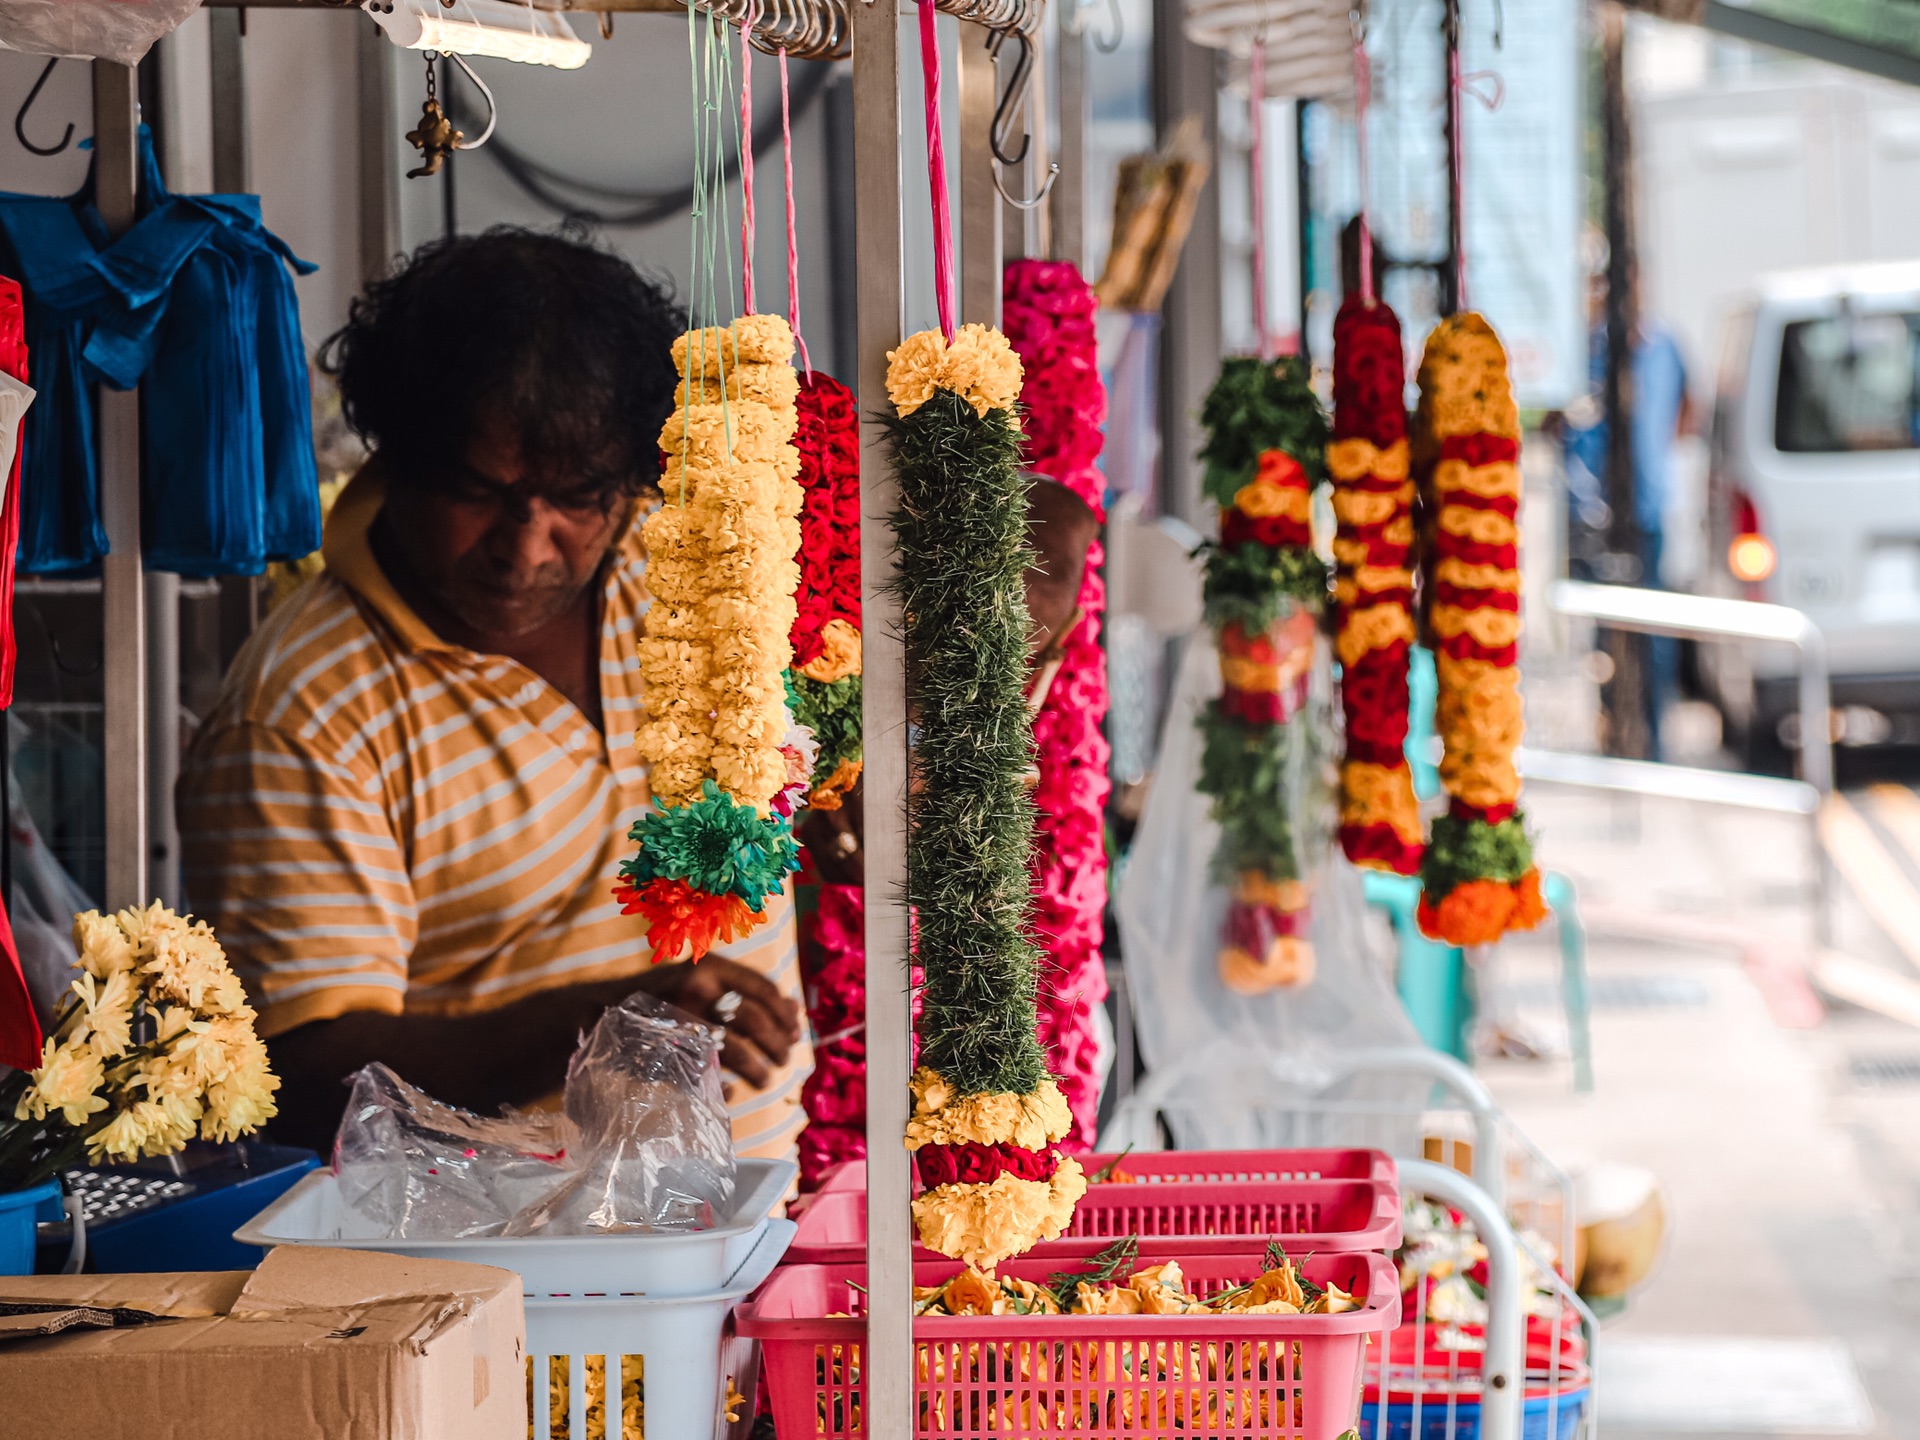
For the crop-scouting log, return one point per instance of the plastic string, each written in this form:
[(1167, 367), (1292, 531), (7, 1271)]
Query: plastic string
[(937, 169), (793, 244), (1256, 163), (1362, 98), (746, 159)]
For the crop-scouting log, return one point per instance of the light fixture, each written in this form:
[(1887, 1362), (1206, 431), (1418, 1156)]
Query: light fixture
[(494, 28)]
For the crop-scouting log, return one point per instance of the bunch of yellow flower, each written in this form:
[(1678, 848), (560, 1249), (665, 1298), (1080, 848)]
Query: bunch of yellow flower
[(156, 1046), (714, 647)]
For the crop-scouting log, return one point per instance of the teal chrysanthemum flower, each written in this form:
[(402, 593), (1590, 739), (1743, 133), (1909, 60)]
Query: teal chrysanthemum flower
[(715, 846)]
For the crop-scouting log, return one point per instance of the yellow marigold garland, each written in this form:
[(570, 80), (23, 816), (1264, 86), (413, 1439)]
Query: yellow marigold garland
[(717, 736)]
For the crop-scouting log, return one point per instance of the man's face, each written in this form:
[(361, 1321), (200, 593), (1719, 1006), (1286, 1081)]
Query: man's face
[(500, 554)]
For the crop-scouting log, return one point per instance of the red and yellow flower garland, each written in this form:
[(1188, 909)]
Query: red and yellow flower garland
[(1380, 824), (723, 767), (1478, 878)]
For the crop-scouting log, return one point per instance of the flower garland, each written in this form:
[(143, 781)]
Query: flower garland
[(982, 1081), (1373, 585), (835, 1094), (726, 763), (1478, 879), (1048, 309), (824, 682), (1265, 451)]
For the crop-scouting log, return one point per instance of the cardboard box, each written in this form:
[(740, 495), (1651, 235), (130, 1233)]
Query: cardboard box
[(315, 1343)]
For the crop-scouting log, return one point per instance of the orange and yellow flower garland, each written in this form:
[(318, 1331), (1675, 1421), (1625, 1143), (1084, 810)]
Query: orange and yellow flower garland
[(715, 644), (1380, 824), (1478, 878)]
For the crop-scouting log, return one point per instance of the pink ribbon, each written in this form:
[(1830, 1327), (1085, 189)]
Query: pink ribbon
[(746, 158), (1257, 124), (793, 244), (937, 169)]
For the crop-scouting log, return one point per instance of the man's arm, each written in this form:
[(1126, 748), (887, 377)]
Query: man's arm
[(517, 1053)]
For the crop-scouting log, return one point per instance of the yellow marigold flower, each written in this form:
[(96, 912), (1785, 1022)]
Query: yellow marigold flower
[(764, 339), (839, 655), (982, 368), (69, 1076), (985, 1224), (941, 1118), (914, 370)]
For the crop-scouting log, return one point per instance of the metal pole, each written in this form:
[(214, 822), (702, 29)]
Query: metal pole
[(232, 135), (116, 116), (379, 182), (980, 266), (887, 1364), (1068, 202), (1816, 766)]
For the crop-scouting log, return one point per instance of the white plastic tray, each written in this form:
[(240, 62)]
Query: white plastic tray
[(677, 1263)]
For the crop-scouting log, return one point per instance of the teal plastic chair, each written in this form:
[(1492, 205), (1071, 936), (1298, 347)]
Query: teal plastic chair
[(1432, 976)]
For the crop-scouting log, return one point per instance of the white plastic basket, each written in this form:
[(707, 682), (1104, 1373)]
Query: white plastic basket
[(679, 1337), (684, 1263)]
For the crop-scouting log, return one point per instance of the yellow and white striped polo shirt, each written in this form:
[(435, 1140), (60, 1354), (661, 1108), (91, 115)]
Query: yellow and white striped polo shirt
[(374, 819)]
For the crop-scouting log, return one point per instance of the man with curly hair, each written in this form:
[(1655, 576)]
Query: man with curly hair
[(406, 813)]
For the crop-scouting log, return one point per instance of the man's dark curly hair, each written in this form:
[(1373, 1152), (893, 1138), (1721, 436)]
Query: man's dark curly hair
[(567, 344)]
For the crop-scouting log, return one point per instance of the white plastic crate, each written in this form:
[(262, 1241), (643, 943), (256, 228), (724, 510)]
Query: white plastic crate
[(682, 1263)]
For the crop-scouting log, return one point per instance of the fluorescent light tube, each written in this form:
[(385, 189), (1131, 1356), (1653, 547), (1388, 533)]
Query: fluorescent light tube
[(493, 28)]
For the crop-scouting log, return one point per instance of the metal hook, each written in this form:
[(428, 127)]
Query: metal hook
[(493, 110), (1007, 109), (20, 117), (1053, 174), (1107, 47)]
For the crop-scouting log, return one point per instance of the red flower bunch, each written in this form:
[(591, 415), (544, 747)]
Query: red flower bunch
[(1047, 313), (828, 439), (1373, 585), (970, 1163), (834, 954)]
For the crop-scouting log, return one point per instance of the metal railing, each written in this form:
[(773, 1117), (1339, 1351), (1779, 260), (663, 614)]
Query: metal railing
[(1702, 617)]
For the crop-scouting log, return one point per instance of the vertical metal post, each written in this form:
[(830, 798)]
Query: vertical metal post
[(232, 135), (1069, 199), (980, 263), (379, 177), (1040, 153), (887, 1364), (163, 733), (116, 116)]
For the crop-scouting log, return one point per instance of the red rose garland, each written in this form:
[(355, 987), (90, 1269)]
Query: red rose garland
[(1373, 585), (835, 1096), (1048, 313)]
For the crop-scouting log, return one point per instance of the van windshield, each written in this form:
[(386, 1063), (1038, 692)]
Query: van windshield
[(1849, 382)]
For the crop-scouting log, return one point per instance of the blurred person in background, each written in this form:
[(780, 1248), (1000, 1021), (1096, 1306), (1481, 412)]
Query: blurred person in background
[(1662, 412)]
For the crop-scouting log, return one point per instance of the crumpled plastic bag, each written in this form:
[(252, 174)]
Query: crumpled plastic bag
[(118, 30), (412, 1167), (656, 1146)]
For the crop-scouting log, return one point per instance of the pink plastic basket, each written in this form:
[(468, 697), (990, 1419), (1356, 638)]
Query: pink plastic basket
[(1292, 1377), (1215, 1217), (1171, 1167)]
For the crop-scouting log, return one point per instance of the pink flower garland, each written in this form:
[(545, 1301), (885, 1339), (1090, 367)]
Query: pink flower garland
[(1048, 313), (835, 1095)]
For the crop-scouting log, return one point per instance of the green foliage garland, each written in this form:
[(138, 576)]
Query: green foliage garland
[(1253, 585), (1259, 405), (1245, 769), (1463, 848), (962, 534), (831, 710)]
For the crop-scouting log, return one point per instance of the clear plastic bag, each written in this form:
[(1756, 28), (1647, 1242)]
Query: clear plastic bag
[(118, 30), (656, 1145), (412, 1167), (1242, 1066)]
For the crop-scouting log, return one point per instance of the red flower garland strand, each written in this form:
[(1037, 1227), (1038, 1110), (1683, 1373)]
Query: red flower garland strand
[(1373, 585), (1048, 310)]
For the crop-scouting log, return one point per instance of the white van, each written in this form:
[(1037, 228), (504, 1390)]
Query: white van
[(1814, 497)]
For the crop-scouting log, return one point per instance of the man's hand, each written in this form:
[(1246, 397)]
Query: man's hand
[(761, 1031)]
